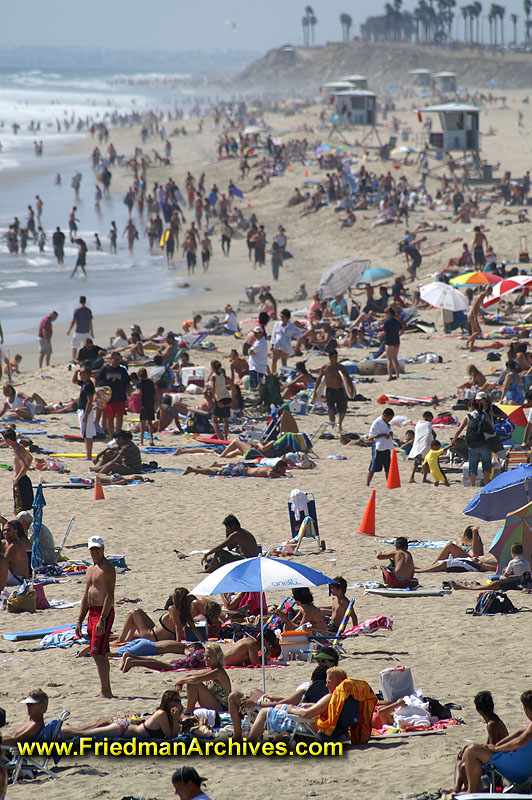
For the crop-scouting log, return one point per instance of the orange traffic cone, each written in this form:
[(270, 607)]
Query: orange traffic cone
[(98, 490), (393, 482), (367, 525)]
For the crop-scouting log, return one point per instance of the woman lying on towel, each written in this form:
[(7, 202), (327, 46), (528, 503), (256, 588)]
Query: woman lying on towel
[(239, 470), (164, 723), (287, 443)]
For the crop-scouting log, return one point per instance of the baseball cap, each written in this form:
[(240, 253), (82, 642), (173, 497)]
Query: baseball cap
[(185, 774), (258, 329), (480, 395), (36, 696), (95, 541)]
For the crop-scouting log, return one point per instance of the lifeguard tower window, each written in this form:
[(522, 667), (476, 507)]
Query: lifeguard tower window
[(454, 121), (357, 102)]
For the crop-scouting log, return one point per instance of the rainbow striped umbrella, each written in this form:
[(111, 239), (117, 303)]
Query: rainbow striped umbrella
[(476, 279)]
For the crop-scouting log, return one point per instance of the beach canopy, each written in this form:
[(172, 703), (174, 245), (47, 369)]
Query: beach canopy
[(375, 274), (402, 150), (441, 295), (260, 574), (517, 529), (341, 276), (39, 502), (518, 416), (506, 286), (475, 279), (251, 130), (503, 495)]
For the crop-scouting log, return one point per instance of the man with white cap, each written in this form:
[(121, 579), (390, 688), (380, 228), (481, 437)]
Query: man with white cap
[(98, 601), (258, 357), (36, 705)]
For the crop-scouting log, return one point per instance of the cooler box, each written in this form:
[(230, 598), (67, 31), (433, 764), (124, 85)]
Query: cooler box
[(293, 642), (197, 375)]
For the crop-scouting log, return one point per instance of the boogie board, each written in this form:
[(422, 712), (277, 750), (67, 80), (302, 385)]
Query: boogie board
[(385, 592), (28, 635)]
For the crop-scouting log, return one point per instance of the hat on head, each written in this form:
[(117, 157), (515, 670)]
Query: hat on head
[(95, 541), (481, 396), (36, 696), (26, 515), (327, 654), (170, 334), (258, 329), (185, 774)]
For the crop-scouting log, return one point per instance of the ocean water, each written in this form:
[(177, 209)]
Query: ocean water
[(32, 284)]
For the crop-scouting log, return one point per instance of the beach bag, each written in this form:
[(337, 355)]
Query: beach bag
[(492, 603), (22, 599), (396, 682)]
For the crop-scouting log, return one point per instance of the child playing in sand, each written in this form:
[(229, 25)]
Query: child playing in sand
[(432, 460)]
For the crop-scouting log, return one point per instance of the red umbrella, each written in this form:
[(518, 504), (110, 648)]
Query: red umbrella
[(506, 286)]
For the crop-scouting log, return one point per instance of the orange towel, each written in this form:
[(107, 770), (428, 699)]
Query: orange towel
[(365, 695)]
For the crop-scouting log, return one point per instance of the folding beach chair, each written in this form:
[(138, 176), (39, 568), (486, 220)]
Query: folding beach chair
[(515, 456), (193, 341), (50, 733), (59, 550), (353, 723), (307, 527), (495, 781)]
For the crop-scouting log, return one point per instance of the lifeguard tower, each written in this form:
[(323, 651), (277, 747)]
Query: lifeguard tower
[(331, 87), (443, 82), (420, 77), (356, 81), (459, 125), (354, 107)]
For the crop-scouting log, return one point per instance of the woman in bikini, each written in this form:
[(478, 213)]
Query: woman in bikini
[(171, 625), (164, 723), (209, 688)]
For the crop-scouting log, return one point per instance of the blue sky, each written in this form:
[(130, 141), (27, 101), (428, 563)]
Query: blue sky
[(179, 25)]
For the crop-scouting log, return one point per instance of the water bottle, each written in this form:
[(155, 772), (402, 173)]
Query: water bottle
[(246, 726)]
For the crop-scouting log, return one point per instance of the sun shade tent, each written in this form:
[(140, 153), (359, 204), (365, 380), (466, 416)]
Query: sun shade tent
[(517, 528)]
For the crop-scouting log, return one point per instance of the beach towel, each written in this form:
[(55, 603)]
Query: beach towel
[(359, 690), (371, 625)]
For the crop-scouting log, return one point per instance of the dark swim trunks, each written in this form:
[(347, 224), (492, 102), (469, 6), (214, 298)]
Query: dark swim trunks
[(23, 495), (336, 400)]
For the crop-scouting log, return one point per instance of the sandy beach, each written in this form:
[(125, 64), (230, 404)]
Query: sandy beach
[(452, 655)]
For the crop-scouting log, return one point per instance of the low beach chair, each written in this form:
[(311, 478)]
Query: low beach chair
[(495, 781), (21, 763), (306, 527), (59, 550)]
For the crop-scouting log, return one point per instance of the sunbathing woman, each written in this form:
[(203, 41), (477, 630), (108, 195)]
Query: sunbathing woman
[(171, 625), (164, 723), (209, 688), (468, 545), (497, 730)]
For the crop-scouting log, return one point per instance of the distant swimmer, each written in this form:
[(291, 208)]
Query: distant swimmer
[(82, 257), (58, 241), (76, 182)]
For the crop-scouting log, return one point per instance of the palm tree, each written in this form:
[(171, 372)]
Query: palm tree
[(527, 8), (477, 11), (313, 22), (465, 14), (345, 21), (514, 19), (492, 19), (501, 11), (304, 22)]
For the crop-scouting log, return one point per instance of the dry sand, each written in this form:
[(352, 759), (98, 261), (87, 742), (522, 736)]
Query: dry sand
[(452, 655)]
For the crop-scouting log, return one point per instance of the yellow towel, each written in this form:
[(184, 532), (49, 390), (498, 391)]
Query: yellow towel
[(367, 698)]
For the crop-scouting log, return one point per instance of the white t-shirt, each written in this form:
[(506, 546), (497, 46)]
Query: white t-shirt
[(282, 335), (230, 322), (258, 356), (516, 567), (381, 426)]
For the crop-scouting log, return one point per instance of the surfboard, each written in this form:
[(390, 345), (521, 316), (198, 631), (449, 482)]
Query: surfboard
[(385, 592), (38, 634)]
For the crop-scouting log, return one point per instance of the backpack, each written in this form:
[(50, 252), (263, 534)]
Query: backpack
[(474, 435), (492, 603)]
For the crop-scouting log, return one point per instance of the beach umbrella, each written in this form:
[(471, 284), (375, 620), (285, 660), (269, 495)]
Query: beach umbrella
[(39, 502), (506, 286), (251, 129), (341, 276), (375, 274), (441, 295), (323, 148), (517, 528), (517, 415), (402, 150), (260, 574), (504, 494), (475, 279)]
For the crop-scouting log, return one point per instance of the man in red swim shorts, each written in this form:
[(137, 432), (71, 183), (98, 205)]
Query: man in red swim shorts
[(98, 601), (116, 377)]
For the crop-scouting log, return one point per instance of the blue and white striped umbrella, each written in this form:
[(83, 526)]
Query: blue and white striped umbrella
[(341, 276), (39, 502), (260, 574)]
